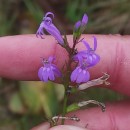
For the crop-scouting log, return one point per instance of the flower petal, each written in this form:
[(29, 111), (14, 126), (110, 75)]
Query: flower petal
[(42, 74), (86, 76), (74, 74), (79, 78), (77, 25), (55, 28), (85, 19), (40, 31), (95, 43), (56, 71), (53, 31), (86, 44), (93, 59), (49, 13), (51, 75), (45, 76), (51, 59), (83, 76)]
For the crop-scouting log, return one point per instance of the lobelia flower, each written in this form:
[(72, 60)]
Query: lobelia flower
[(50, 28), (49, 71), (80, 74), (91, 57)]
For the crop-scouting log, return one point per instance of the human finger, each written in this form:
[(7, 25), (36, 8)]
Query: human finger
[(59, 127), (115, 117), (44, 126), (20, 57)]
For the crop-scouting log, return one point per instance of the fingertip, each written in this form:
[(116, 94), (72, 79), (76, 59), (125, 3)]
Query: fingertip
[(67, 127), (44, 126)]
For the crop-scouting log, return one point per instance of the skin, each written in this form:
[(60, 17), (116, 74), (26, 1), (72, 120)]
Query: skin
[(20, 60)]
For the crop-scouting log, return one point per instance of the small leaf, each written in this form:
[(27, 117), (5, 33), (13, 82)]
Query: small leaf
[(73, 107), (50, 101), (74, 90), (16, 105), (31, 95), (59, 89)]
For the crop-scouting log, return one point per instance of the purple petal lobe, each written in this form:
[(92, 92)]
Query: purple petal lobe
[(93, 60), (45, 75), (77, 25), (50, 29), (85, 19), (83, 76), (51, 75), (51, 59), (79, 78), (80, 75), (40, 73), (86, 44), (74, 74), (86, 76), (57, 72), (49, 13), (95, 43)]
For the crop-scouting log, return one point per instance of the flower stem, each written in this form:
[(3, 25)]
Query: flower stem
[(64, 107), (67, 80)]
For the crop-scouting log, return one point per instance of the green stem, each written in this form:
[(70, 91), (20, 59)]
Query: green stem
[(64, 107), (67, 80)]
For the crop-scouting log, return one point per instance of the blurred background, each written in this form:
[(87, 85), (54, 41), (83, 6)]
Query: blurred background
[(25, 104)]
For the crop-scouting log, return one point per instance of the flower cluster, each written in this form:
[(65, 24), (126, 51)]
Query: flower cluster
[(85, 59)]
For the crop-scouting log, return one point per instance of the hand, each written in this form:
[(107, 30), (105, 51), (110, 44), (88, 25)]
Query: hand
[(20, 60)]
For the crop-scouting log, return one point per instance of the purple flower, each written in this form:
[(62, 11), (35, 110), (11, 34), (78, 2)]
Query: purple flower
[(80, 74), (49, 71), (80, 25), (91, 57), (50, 28)]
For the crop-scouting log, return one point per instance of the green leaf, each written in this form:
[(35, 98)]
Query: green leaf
[(59, 89), (50, 101), (74, 90), (73, 107), (16, 105), (34, 9), (31, 96)]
